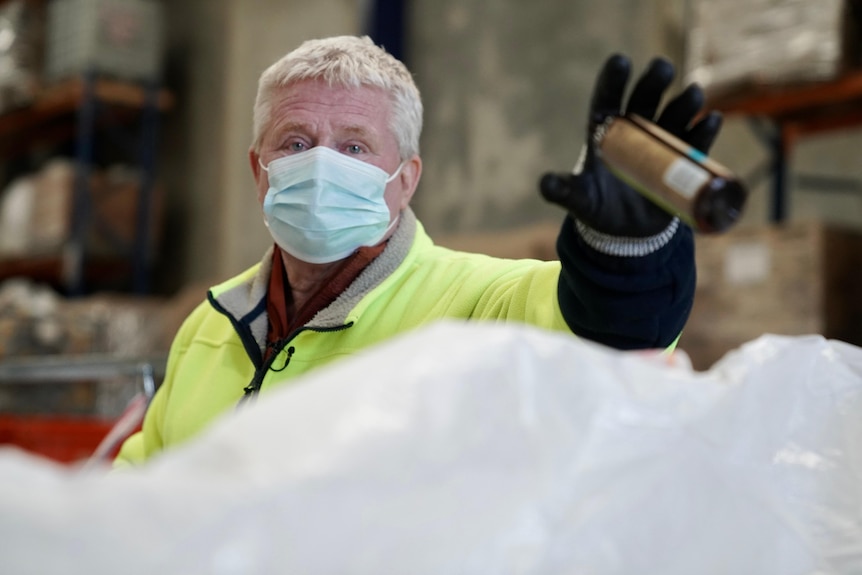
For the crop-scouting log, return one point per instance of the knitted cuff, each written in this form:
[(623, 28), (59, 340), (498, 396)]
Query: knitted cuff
[(626, 247)]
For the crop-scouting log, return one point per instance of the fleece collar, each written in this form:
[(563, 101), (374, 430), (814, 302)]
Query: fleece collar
[(243, 298)]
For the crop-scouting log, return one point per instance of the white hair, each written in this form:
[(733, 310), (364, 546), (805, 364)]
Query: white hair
[(350, 61)]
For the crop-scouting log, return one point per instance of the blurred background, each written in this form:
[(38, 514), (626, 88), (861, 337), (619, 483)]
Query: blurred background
[(125, 190)]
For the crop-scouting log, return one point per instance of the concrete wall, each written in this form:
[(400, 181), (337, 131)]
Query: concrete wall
[(506, 87)]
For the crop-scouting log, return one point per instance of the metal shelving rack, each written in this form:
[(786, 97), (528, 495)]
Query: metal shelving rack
[(91, 111), (781, 116)]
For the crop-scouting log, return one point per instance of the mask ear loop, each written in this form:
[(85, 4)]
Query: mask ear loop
[(398, 216), (394, 174), (265, 169)]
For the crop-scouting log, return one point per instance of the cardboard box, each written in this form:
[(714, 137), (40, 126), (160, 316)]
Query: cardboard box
[(43, 212), (118, 38), (734, 45), (797, 279)]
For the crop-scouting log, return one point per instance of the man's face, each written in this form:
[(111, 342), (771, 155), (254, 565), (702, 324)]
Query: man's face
[(352, 121)]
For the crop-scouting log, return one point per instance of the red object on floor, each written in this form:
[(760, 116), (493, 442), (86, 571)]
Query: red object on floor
[(63, 439)]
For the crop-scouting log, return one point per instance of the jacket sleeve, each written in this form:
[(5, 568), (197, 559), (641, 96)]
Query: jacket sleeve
[(148, 441), (141, 445), (626, 302)]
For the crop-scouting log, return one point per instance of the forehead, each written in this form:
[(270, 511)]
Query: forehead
[(318, 105)]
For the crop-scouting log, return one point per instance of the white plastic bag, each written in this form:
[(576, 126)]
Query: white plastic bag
[(487, 449)]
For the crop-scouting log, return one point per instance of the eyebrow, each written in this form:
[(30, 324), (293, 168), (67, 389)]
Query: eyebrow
[(353, 130), (357, 130), (293, 127)]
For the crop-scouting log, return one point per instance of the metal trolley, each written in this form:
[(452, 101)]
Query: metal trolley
[(72, 439)]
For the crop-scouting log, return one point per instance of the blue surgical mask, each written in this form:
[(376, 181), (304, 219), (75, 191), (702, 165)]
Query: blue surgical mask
[(322, 205)]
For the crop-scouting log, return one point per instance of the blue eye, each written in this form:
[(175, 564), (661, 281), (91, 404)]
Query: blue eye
[(354, 149), (296, 147)]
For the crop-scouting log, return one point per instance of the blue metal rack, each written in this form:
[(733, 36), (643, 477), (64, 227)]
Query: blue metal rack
[(93, 106)]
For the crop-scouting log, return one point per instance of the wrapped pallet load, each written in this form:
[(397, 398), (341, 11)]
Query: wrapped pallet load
[(733, 45)]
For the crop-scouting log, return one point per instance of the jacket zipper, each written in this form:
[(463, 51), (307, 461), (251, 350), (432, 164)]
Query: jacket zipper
[(253, 388)]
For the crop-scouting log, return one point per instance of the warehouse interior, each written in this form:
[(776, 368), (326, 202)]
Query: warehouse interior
[(125, 188)]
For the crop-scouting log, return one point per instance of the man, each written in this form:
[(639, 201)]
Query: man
[(335, 159)]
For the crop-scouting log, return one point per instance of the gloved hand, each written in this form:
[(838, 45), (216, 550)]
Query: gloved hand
[(596, 197)]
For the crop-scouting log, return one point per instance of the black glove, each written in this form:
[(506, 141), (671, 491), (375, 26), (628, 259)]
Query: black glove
[(596, 197)]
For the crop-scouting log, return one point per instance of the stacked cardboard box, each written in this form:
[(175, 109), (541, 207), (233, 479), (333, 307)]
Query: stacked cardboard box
[(36, 211), (804, 278), (120, 38), (733, 45)]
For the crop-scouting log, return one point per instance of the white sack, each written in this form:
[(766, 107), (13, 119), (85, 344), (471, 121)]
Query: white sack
[(489, 450)]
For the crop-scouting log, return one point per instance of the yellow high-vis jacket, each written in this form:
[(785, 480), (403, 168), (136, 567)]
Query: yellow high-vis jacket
[(217, 355)]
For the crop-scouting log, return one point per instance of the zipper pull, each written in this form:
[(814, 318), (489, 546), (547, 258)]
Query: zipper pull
[(290, 351)]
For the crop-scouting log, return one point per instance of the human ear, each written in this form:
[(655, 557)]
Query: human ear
[(261, 181), (409, 179)]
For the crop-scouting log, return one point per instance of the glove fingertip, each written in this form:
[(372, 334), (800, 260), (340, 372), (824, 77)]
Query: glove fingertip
[(662, 68), (703, 134), (553, 187), (566, 191), (610, 86), (695, 95)]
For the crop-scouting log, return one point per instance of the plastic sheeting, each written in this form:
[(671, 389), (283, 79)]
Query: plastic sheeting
[(490, 450)]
